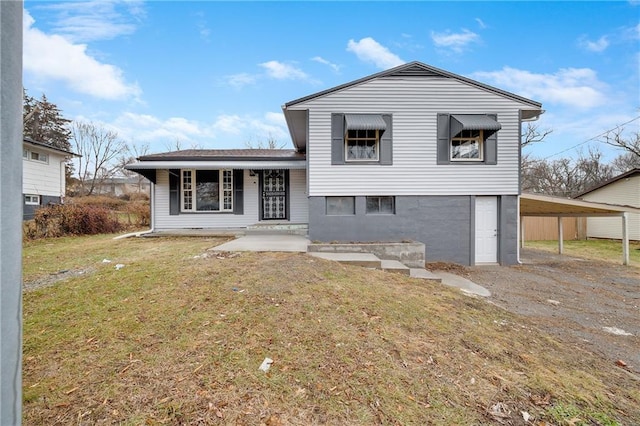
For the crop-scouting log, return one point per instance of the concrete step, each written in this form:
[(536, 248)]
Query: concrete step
[(395, 267), (366, 260), (424, 274)]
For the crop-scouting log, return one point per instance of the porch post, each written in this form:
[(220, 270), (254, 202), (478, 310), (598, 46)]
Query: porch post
[(560, 236), (625, 238), (521, 231)]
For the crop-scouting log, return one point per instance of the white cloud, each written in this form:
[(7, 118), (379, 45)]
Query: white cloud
[(229, 124), (95, 20), (456, 41), (321, 60), (369, 50), (56, 58), (271, 124), (574, 87), (481, 23), (147, 128), (241, 80), (282, 71), (594, 46)]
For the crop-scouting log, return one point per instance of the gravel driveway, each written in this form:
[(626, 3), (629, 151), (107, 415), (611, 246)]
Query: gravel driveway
[(593, 304)]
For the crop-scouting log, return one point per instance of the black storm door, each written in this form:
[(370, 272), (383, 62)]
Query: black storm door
[(274, 190)]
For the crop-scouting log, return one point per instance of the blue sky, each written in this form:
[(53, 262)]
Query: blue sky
[(215, 74)]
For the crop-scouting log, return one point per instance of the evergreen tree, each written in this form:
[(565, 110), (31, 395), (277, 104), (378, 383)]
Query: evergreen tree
[(43, 122)]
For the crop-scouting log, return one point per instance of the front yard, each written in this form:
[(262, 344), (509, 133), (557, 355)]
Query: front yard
[(175, 333)]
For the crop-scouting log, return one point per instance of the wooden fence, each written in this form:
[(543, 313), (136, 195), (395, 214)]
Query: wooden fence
[(546, 228)]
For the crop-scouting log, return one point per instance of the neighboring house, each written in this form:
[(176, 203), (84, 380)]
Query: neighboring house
[(411, 153), (622, 190), (43, 175), (119, 186)]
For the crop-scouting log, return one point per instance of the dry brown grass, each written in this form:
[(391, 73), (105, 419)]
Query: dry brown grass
[(176, 337)]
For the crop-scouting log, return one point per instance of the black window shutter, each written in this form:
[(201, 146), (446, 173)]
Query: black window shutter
[(337, 138), (443, 139), (386, 142), (174, 191), (238, 192), (491, 146)]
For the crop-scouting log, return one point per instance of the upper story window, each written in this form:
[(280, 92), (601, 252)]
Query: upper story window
[(361, 138), (35, 156), (362, 145), (467, 138), (467, 145), (207, 190)]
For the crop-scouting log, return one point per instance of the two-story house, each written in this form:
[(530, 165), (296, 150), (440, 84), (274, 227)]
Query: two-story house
[(411, 153), (43, 175)]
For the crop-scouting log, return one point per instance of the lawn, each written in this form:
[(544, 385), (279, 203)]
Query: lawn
[(177, 334), (606, 250)]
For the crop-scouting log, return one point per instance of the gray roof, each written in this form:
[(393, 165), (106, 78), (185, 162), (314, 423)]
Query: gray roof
[(49, 146), (417, 69), (627, 174), (226, 155)]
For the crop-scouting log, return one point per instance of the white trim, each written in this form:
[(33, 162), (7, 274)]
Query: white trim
[(192, 190), (33, 199), (216, 165)]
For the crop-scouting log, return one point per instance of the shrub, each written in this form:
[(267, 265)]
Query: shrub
[(138, 196), (139, 213), (73, 219), (105, 201)]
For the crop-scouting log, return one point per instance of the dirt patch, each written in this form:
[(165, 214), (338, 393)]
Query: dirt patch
[(592, 304), (56, 277)]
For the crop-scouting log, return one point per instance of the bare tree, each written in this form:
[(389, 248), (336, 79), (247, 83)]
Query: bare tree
[(99, 149), (625, 162), (175, 146), (270, 143), (129, 155), (631, 144), (565, 177), (532, 134)]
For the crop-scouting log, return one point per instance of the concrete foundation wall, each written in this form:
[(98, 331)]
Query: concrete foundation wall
[(444, 224)]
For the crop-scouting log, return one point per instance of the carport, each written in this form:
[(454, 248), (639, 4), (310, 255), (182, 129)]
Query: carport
[(545, 206)]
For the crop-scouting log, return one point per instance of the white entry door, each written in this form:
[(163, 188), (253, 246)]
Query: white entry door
[(486, 229)]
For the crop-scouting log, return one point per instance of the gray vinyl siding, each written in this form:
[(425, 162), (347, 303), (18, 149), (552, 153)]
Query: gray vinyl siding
[(163, 220), (414, 104)]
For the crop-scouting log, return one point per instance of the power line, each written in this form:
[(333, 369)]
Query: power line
[(593, 138)]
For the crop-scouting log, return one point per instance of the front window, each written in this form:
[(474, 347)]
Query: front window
[(381, 205), (467, 146), (362, 145), (207, 190)]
